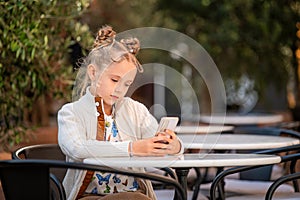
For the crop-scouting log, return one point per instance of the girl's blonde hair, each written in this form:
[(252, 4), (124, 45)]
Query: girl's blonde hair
[(106, 50)]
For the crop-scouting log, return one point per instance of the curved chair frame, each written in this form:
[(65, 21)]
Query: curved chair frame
[(38, 152), (291, 157), (280, 181), (267, 130), (39, 170)]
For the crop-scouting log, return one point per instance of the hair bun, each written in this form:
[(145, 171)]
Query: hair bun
[(132, 44), (105, 36)]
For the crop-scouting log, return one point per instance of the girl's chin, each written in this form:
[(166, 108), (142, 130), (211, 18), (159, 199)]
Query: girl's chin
[(110, 102)]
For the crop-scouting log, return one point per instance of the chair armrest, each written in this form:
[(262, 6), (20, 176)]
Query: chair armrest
[(279, 181), (169, 172), (234, 170)]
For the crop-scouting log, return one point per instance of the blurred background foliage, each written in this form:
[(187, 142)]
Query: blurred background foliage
[(34, 67), (258, 39), (253, 39)]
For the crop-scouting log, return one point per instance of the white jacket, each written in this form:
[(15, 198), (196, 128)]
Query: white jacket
[(77, 129)]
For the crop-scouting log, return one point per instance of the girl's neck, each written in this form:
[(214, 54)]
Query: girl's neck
[(107, 109)]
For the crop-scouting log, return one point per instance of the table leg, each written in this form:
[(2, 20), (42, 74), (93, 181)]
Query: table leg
[(182, 179)]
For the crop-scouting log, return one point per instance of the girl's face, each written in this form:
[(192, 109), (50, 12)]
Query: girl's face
[(114, 82)]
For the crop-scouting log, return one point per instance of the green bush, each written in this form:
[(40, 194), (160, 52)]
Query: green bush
[(34, 46)]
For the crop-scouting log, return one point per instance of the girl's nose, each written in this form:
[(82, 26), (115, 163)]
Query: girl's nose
[(119, 88)]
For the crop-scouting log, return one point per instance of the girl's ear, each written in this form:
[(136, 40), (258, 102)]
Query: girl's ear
[(92, 72)]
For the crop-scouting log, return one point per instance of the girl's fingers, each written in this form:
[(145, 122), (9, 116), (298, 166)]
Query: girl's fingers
[(171, 133), (159, 138), (160, 151), (159, 145)]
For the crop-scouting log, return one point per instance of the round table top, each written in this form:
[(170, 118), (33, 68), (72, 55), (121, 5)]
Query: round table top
[(235, 141), (187, 160), (202, 129), (239, 119)]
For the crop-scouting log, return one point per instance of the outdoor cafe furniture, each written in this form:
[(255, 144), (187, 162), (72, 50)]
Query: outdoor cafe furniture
[(29, 178), (229, 142), (183, 163), (235, 141), (242, 119), (201, 129), (291, 158)]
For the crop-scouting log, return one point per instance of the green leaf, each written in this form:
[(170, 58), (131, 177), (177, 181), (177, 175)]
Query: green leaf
[(33, 80), (45, 40), (14, 46), (23, 54), (18, 52), (32, 53)]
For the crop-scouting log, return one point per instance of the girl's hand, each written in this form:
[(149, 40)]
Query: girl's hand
[(155, 147), (174, 145)]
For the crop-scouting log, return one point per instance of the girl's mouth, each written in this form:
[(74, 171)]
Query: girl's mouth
[(114, 97)]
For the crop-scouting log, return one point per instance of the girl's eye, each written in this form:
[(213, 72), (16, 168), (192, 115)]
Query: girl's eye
[(114, 80)]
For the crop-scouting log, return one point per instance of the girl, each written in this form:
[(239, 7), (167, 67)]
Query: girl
[(102, 122)]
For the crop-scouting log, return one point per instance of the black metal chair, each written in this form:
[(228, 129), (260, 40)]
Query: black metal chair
[(263, 173), (29, 178), (292, 125), (286, 158), (45, 152), (53, 152), (290, 177)]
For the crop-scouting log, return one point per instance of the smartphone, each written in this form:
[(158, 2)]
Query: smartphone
[(167, 123)]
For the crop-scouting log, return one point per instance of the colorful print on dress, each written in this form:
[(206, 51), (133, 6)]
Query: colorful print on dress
[(107, 189), (102, 179), (135, 185), (126, 182), (114, 129), (107, 124), (115, 189), (116, 179), (94, 191)]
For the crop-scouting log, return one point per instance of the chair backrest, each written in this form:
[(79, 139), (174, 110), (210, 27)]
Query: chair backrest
[(263, 173), (267, 131), (29, 179), (291, 125), (42, 151)]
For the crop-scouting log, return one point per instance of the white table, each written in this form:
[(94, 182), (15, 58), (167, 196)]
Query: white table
[(224, 142), (183, 163), (202, 129), (187, 160), (248, 119), (235, 141)]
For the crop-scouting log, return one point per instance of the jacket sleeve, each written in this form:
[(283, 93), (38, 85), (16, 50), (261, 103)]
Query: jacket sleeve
[(75, 143)]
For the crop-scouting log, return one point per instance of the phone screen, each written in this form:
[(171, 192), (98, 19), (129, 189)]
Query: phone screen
[(167, 123)]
